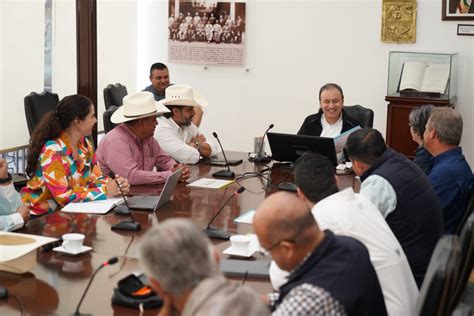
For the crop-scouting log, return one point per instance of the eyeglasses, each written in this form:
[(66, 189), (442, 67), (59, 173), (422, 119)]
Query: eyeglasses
[(266, 251)]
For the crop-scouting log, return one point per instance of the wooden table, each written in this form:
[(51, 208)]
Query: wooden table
[(55, 285)]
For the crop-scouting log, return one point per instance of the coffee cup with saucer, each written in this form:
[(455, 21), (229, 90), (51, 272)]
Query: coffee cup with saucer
[(240, 246), (72, 244)]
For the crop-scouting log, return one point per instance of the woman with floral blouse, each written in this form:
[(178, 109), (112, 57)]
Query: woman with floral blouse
[(61, 163)]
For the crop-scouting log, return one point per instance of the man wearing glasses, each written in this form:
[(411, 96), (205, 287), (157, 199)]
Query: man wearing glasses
[(329, 274)]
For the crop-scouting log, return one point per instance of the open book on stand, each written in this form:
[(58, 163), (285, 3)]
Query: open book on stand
[(424, 77)]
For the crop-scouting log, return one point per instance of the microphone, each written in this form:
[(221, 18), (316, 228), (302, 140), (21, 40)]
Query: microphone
[(223, 173), (111, 261), (121, 209), (263, 159), (218, 233), (288, 186)]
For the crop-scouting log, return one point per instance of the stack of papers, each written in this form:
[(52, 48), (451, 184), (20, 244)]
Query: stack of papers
[(93, 207), (208, 183)]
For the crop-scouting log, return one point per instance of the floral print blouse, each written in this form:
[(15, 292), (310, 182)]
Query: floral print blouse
[(60, 179)]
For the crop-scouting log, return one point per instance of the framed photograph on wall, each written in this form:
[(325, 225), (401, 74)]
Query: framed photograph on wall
[(458, 10)]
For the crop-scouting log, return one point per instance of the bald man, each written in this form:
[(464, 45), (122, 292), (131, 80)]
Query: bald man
[(328, 273)]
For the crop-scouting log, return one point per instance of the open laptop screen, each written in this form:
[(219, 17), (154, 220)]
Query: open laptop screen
[(289, 147)]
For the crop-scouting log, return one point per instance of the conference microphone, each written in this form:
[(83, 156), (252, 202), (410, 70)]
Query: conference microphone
[(263, 159), (219, 233), (111, 261), (121, 209), (223, 173), (288, 186)]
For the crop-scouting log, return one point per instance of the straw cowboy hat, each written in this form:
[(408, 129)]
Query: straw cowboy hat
[(136, 106), (18, 254), (183, 95)]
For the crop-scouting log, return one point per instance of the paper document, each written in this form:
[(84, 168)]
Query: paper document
[(245, 218), (207, 183), (93, 207)]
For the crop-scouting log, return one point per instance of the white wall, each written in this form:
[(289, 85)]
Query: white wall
[(21, 65), (64, 77), (116, 47), (294, 47)]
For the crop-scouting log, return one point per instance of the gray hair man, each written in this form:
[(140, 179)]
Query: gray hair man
[(182, 269), (417, 120), (451, 176)]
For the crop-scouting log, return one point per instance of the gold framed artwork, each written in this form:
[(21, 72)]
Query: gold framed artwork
[(398, 21)]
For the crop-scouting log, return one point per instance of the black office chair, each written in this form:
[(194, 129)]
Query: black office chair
[(113, 94), (363, 115), (435, 293), (37, 105), (108, 125), (469, 210), (466, 240)]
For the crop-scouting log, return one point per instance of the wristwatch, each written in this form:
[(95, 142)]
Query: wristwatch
[(7, 179)]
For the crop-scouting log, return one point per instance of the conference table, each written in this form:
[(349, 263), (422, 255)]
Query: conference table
[(56, 284)]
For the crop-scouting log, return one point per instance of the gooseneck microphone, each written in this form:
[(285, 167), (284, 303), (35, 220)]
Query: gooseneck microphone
[(111, 261), (288, 186), (124, 208), (219, 233), (263, 159), (228, 174)]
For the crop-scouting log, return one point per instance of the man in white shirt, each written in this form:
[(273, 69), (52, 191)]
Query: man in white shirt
[(13, 215), (177, 131), (350, 214)]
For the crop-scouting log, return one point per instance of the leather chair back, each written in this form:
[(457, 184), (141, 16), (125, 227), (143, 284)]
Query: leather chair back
[(108, 125), (113, 94), (37, 105), (469, 210), (466, 240), (364, 115), (435, 293)]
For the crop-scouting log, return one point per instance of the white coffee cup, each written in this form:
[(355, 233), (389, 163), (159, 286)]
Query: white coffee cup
[(73, 242), (240, 243)]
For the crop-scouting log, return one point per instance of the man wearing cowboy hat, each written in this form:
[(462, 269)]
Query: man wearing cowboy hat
[(130, 150), (160, 80), (177, 132)]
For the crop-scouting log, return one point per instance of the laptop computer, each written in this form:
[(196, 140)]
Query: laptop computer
[(254, 269), (152, 203), (289, 147)]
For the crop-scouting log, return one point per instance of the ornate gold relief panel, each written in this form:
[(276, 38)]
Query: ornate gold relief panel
[(399, 21)]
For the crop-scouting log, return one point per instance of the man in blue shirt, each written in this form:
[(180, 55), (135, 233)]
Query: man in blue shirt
[(451, 176)]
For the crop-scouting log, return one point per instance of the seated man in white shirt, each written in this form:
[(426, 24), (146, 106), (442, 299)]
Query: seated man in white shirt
[(13, 214), (349, 214), (177, 131)]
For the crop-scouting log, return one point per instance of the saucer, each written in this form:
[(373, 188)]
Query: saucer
[(61, 249), (252, 248), (237, 252)]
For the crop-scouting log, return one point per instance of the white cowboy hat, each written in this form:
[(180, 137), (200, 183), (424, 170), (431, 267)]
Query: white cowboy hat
[(18, 253), (136, 106), (183, 95)]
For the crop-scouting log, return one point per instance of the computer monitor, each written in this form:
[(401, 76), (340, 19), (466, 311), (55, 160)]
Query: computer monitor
[(289, 147)]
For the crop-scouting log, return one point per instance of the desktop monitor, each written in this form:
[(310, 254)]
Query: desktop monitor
[(288, 147)]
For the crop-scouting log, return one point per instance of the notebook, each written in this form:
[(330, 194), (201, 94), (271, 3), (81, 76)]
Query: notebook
[(152, 203)]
